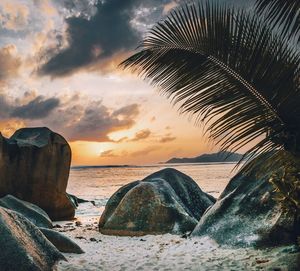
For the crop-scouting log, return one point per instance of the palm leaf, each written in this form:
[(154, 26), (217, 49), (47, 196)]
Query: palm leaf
[(283, 13), (229, 70)]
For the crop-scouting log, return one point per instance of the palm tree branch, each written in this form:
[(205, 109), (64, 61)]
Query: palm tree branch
[(283, 14), (226, 68)]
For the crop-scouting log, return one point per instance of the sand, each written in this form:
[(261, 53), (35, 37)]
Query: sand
[(159, 252)]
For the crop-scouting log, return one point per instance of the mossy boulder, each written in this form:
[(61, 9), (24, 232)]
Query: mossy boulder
[(34, 166), (246, 214), (167, 201)]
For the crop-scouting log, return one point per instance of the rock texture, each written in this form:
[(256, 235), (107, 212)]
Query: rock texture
[(61, 242), (246, 214), (23, 246), (33, 213), (34, 166), (167, 201)]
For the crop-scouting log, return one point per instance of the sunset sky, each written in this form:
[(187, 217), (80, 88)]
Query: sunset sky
[(59, 68)]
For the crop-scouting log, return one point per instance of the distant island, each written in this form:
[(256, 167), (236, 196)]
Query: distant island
[(208, 158)]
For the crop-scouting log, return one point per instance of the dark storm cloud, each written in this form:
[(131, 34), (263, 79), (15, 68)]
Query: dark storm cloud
[(110, 31), (36, 109)]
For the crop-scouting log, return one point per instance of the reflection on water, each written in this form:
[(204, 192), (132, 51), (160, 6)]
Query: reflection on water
[(99, 183)]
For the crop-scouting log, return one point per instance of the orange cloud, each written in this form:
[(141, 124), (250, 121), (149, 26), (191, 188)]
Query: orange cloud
[(168, 7), (166, 139), (14, 16), (9, 62), (9, 126), (108, 154), (143, 134), (145, 151)]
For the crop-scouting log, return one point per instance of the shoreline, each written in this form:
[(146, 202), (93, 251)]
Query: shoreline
[(80, 167)]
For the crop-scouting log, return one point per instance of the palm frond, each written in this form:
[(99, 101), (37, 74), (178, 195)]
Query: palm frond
[(283, 13), (229, 70)]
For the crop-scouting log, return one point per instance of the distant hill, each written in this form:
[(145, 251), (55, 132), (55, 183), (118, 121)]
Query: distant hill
[(209, 158)]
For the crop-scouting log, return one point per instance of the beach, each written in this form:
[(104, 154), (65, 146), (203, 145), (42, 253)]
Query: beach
[(151, 252), (158, 252)]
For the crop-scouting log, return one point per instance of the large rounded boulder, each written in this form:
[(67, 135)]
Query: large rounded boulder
[(32, 212), (246, 214), (34, 166), (167, 201), (23, 246)]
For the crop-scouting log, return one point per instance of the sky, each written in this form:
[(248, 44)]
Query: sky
[(59, 68)]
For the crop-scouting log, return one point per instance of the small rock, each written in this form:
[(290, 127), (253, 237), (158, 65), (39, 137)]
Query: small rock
[(186, 235), (57, 226), (80, 237), (61, 242), (93, 239), (261, 261), (78, 223), (143, 240)]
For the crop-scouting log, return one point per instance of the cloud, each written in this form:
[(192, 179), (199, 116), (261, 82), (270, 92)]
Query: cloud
[(9, 126), (77, 8), (9, 62), (96, 122), (75, 117), (143, 134), (166, 139), (153, 119), (13, 16), (115, 28), (28, 107), (145, 151), (38, 108), (169, 6), (79, 118), (108, 154), (127, 111)]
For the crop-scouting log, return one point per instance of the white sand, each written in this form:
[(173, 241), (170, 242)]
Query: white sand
[(160, 252)]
